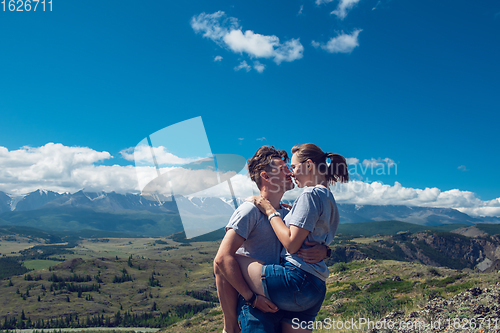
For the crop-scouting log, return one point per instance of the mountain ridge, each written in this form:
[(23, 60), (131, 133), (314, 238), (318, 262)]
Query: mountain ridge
[(51, 210)]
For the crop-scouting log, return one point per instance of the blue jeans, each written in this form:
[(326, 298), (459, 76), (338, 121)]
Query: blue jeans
[(298, 293), (253, 320)]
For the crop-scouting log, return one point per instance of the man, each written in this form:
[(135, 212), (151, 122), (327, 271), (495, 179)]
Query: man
[(250, 234)]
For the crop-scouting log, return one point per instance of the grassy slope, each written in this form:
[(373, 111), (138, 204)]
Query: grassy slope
[(40, 264), (389, 228), (182, 268), (491, 229), (365, 289), (189, 267)]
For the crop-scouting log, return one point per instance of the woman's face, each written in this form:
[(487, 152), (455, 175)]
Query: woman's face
[(299, 171)]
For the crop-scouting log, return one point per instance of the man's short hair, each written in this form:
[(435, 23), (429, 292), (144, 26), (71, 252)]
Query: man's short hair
[(261, 161)]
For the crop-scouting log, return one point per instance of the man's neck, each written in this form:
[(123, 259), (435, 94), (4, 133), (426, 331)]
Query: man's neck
[(273, 196)]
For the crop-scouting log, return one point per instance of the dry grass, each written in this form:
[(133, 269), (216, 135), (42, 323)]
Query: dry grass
[(368, 240), (182, 268), (364, 273), (178, 269)]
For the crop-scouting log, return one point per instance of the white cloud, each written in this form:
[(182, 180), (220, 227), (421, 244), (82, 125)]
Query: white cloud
[(142, 156), (371, 167), (60, 158), (256, 45), (218, 58), (289, 51), (261, 46), (258, 66), (300, 10), (61, 168), (213, 26), (343, 7), (242, 186), (463, 168), (484, 208), (50, 167), (376, 193), (243, 65), (261, 139), (320, 2), (372, 163), (343, 43), (226, 32), (352, 160), (121, 179)]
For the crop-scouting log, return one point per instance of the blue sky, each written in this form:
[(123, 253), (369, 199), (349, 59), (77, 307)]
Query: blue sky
[(415, 83)]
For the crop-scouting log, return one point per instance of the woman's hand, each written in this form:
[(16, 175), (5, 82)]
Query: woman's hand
[(263, 204)]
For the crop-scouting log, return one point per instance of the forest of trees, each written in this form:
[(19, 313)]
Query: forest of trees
[(11, 266), (147, 319)]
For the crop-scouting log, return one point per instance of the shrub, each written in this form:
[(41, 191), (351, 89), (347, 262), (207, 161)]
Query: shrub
[(378, 305), (339, 267)]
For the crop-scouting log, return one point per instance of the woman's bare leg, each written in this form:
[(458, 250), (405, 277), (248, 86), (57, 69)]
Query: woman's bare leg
[(251, 269)]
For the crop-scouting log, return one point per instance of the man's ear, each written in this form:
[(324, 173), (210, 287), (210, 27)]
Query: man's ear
[(264, 175)]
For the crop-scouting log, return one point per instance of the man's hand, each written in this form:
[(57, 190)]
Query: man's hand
[(264, 304), (314, 254)]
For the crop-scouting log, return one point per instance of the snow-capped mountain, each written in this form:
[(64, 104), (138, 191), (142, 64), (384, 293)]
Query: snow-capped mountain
[(110, 202), (130, 212), (418, 215), (35, 199), (5, 201)]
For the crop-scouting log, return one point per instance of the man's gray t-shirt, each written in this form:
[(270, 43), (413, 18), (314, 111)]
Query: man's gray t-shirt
[(260, 242), (316, 211)]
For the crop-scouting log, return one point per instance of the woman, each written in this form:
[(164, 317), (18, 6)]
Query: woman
[(296, 286)]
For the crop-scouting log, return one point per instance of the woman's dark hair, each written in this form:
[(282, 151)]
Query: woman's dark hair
[(335, 172), (262, 161)]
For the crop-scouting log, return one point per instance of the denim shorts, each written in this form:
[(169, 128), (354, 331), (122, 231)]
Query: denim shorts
[(252, 320), (299, 293)]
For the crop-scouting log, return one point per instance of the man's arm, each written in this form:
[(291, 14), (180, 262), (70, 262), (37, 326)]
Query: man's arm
[(225, 263), (314, 254)]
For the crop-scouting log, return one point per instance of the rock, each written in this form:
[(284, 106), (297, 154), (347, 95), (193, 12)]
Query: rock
[(354, 287), (480, 309), (475, 291), (338, 295), (395, 314)]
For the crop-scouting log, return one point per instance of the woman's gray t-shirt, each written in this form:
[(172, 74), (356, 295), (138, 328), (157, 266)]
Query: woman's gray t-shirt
[(316, 211)]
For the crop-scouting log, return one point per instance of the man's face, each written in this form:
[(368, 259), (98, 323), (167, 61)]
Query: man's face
[(280, 176)]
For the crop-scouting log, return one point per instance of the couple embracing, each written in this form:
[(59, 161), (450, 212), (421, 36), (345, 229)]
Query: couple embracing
[(270, 270)]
